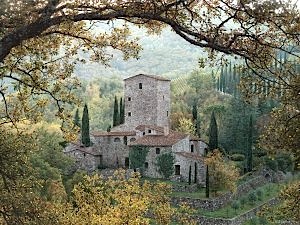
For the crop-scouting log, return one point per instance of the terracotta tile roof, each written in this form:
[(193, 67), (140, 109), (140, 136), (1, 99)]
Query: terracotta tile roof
[(190, 155), (151, 76), (113, 133), (152, 127), (160, 140)]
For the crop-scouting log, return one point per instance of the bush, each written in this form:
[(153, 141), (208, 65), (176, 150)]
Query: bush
[(253, 221), (259, 194), (243, 202), (271, 164), (285, 163), (235, 205), (237, 157), (252, 198), (263, 221)]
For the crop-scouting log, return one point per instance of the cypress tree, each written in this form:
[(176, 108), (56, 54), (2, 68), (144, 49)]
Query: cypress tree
[(122, 108), (116, 115), (196, 119), (213, 133), (85, 128), (250, 142), (207, 183), (76, 118), (195, 111), (221, 83), (108, 128), (190, 175), (196, 173)]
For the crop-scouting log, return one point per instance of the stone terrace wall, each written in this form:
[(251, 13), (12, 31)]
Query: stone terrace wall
[(202, 220), (223, 200), (185, 188)]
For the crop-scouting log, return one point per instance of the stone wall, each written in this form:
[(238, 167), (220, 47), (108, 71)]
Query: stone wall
[(151, 159), (223, 200), (106, 173), (202, 220), (148, 105), (185, 164), (185, 188)]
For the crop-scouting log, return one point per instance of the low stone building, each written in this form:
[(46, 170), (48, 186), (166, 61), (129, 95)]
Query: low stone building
[(147, 107)]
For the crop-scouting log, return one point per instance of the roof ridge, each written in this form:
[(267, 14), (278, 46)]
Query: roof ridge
[(151, 76)]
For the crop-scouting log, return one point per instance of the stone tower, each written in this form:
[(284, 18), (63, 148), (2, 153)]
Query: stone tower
[(147, 101)]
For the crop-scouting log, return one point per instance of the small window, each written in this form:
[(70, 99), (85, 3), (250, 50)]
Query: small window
[(177, 169), (132, 139), (157, 150), (192, 148), (129, 113), (146, 165), (140, 86), (125, 140), (163, 97), (117, 139), (84, 155), (144, 133), (167, 113), (129, 99), (149, 131)]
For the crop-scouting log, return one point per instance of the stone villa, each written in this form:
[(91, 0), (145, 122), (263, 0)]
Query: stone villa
[(147, 111)]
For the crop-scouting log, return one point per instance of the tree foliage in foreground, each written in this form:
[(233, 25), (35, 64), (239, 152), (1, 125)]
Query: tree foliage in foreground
[(20, 200), (119, 200)]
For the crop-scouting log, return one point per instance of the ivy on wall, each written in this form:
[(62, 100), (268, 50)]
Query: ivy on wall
[(137, 156)]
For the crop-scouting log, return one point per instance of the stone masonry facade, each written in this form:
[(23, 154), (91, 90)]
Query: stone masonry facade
[(147, 113)]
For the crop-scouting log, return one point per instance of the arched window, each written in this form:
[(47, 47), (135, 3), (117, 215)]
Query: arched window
[(132, 139), (117, 139)]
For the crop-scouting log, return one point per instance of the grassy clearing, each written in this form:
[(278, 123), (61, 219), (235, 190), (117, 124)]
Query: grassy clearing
[(252, 200)]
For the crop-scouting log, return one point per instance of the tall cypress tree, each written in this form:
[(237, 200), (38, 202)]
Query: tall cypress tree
[(207, 183), (250, 142), (116, 115), (196, 173), (195, 111), (213, 133), (76, 118), (122, 108), (190, 175), (85, 128), (196, 119)]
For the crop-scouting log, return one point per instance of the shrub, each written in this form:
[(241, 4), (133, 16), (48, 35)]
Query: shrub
[(285, 162), (237, 157), (263, 221), (253, 221), (259, 194), (235, 205), (243, 202), (165, 164), (271, 163), (252, 198)]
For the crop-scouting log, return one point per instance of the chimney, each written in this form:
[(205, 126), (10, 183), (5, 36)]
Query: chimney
[(166, 130)]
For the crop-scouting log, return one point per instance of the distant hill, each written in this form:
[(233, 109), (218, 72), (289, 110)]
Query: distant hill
[(166, 54)]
